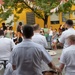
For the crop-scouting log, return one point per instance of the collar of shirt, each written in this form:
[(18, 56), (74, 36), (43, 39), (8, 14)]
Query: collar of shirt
[(1, 36), (27, 40), (71, 28), (36, 33)]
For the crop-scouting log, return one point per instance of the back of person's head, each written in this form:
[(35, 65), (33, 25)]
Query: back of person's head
[(72, 38), (69, 22), (10, 28), (36, 27), (20, 23), (3, 24), (1, 32), (28, 31)]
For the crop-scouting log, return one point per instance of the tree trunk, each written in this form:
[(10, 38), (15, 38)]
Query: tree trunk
[(45, 20)]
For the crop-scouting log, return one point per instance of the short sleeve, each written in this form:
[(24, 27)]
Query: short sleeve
[(63, 58), (46, 57), (62, 38), (8, 70), (13, 58)]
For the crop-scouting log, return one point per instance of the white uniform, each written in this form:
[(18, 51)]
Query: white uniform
[(27, 57), (68, 58), (6, 46), (9, 70), (40, 39), (65, 34)]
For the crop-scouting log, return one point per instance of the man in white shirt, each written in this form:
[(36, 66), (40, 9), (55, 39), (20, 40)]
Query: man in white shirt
[(6, 46), (27, 56), (65, 34), (38, 38), (68, 57)]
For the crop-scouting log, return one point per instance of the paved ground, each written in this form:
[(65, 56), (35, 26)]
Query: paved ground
[(55, 59)]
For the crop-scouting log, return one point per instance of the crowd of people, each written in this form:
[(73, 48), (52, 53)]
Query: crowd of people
[(51, 35), (25, 49)]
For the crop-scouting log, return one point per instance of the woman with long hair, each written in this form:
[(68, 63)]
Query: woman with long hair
[(19, 32)]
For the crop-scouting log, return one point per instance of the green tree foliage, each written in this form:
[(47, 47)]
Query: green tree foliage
[(41, 8)]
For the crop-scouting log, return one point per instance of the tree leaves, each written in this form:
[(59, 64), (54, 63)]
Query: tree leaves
[(44, 5)]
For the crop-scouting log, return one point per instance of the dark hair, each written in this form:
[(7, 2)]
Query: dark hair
[(3, 24), (69, 22), (28, 31), (1, 32), (36, 27), (20, 23), (10, 28), (4, 27)]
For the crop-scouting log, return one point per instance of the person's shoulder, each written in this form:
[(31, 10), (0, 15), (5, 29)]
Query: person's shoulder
[(17, 46), (8, 39), (65, 31), (37, 45), (66, 50), (33, 44), (41, 36)]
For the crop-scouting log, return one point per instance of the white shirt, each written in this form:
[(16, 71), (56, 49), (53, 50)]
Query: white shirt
[(65, 35), (6, 46), (27, 57), (68, 58), (50, 33), (9, 70), (40, 39)]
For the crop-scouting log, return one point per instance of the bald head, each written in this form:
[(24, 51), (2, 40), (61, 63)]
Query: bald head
[(36, 27)]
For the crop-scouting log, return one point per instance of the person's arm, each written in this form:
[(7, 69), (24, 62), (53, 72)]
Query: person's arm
[(61, 67), (62, 39), (61, 44), (14, 67), (13, 59), (51, 65), (62, 60), (48, 60)]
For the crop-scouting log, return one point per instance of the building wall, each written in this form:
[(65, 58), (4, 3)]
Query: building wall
[(22, 17)]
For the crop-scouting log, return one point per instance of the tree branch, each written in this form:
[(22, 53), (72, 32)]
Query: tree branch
[(34, 11)]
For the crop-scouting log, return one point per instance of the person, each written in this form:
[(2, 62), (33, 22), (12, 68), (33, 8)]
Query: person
[(54, 39), (4, 27), (12, 32), (65, 34), (46, 32), (19, 32), (50, 36), (27, 56), (7, 33), (9, 70), (38, 38), (67, 58), (6, 46)]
